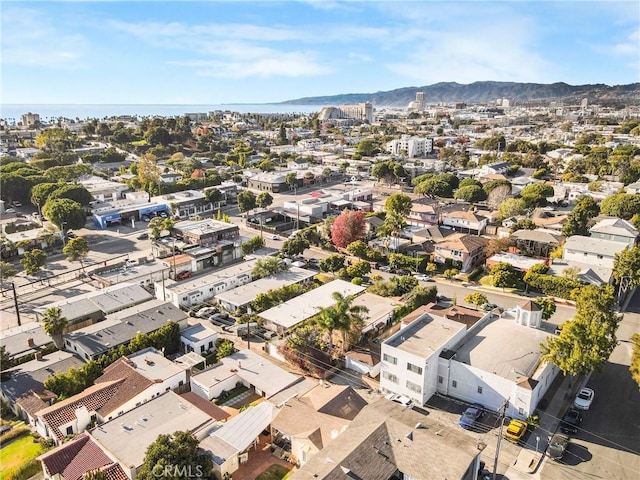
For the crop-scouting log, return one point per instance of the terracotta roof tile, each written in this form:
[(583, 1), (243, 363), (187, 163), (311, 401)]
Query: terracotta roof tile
[(72, 460), (32, 402), (64, 412), (133, 383)]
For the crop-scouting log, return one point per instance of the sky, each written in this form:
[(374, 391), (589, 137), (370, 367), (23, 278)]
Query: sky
[(213, 52)]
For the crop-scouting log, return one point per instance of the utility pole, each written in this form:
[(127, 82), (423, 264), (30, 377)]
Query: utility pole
[(503, 413), (15, 302)]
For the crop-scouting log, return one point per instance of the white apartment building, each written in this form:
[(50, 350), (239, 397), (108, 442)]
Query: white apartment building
[(410, 356), (412, 147)]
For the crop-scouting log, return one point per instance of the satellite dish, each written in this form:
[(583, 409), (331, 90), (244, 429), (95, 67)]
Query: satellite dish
[(353, 179)]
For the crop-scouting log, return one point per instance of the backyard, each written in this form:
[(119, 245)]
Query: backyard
[(274, 472), (19, 453)]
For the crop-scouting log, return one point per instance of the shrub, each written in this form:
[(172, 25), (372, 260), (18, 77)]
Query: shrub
[(357, 280)]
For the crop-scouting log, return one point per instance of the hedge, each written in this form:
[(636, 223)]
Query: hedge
[(553, 286)]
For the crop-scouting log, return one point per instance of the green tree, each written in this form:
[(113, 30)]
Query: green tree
[(224, 348), (268, 266), (471, 194), (511, 207), (295, 246), (148, 171), (213, 195), (76, 250), (586, 341), (332, 263), (626, 265), (536, 194), (7, 270), (578, 220), (359, 248), (77, 193), (54, 325), (40, 194), (398, 203), (622, 205), (253, 244), (547, 305), (359, 269), (264, 199), (65, 214), (246, 201), (158, 136), (476, 299), (266, 166), (450, 273), (158, 225), (504, 275), (291, 179), (342, 316), (5, 358), (434, 187), (523, 224), (177, 456), (33, 261)]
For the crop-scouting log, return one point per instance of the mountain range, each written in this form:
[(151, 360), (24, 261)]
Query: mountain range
[(484, 92)]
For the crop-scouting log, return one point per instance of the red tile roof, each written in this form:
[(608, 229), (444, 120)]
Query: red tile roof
[(64, 412), (73, 459), (32, 402), (133, 384)]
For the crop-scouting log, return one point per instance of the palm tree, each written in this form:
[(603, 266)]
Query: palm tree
[(343, 316), (54, 324)]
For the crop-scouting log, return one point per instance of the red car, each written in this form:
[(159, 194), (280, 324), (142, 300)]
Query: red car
[(183, 275)]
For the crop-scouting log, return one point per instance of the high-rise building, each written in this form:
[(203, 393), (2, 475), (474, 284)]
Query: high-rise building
[(360, 111), (29, 119), (418, 104)]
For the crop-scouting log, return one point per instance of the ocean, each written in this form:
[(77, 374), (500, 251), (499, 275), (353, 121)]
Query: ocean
[(13, 112)]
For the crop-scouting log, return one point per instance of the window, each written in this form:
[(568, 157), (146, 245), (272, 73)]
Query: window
[(440, 379), (480, 390), (390, 376), (454, 384), (414, 368), (201, 348), (69, 430), (210, 344), (180, 383), (414, 387), (388, 358), (521, 411)]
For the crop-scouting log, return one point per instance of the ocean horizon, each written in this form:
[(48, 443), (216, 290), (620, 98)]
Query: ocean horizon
[(12, 112)]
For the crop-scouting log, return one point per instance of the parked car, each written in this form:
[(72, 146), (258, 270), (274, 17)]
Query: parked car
[(570, 421), (422, 277), (470, 416), (184, 275), (206, 311), (275, 237), (10, 210), (5, 428), (487, 307), (515, 430), (557, 446), (584, 399), (145, 218), (131, 263), (401, 399), (17, 204), (385, 268), (143, 236), (163, 214)]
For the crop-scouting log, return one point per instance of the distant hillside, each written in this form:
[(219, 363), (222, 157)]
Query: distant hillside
[(483, 92)]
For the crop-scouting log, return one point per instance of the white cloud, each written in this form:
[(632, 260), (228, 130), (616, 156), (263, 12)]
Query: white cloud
[(630, 46), (30, 38), (359, 57)]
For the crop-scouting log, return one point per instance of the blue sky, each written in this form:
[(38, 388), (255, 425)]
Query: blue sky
[(182, 52)]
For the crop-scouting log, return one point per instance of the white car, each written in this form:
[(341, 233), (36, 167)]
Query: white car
[(401, 399), (422, 277), (584, 398)]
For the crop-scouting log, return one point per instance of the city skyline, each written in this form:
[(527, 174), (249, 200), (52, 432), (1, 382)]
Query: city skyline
[(145, 52)]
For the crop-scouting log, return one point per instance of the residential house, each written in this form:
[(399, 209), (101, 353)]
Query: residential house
[(424, 214), (171, 177), (465, 221), (592, 250), (29, 377), (103, 190), (615, 229), (126, 438), (244, 367), (120, 328), (387, 441), (494, 168), (198, 338), (463, 250), (538, 242), (241, 297), (287, 315), (25, 341), (307, 423), (78, 456), (518, 262)]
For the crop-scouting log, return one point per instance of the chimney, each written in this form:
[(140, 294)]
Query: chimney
[(38, 356), (30, 342)]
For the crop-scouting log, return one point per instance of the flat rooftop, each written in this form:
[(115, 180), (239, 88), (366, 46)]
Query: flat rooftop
[(16, 339), (251, 367), (244, 268), (298, 309), (247, 293), (151, 364), (197, 332), (128, 436), (378, 306), (503, 347), (425, 335)]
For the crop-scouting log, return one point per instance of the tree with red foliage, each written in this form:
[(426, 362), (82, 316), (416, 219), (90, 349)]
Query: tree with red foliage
[(348, 227)]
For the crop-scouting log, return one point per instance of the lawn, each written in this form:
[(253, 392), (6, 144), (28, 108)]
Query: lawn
[(17, 453), (274, 472)]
